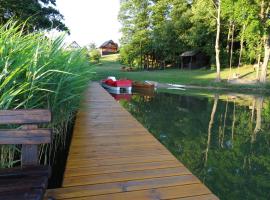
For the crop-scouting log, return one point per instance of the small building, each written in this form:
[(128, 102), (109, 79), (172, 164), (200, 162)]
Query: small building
[(109, 47), (194, 60), (73, 45)]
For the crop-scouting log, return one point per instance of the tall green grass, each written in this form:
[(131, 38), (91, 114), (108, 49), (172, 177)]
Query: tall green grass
[(38, 72)]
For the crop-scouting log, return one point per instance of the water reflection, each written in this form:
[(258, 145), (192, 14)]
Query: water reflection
[(222, 139)]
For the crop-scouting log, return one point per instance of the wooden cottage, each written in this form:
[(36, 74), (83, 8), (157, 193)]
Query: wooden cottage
[(109, 47), (194, 60)]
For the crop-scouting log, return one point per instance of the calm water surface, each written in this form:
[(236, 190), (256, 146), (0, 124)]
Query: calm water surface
[(223, 139)]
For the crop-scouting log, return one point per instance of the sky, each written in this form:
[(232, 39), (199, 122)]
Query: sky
[(91, 20)]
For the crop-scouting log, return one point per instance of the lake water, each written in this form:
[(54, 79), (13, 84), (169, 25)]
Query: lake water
[(224, 139)]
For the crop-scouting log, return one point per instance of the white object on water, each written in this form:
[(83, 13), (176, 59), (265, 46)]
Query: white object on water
[(176, 85), (174, 88), (117, 89), (112, 78), (152, 83)]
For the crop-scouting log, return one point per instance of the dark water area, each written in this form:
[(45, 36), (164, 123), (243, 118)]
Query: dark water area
[(222, 139), (58, 160)]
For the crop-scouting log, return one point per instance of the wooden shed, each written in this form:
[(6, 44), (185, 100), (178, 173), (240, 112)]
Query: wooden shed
[(109, 47), (194, 60)]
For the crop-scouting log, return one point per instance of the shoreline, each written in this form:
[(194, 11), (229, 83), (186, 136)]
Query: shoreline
[(257, 90)]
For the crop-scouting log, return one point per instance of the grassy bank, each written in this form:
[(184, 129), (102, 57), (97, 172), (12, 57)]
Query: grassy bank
[(37, 72), (111, 67)]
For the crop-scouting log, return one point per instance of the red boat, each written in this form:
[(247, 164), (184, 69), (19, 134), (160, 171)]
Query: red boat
[(122, 85)]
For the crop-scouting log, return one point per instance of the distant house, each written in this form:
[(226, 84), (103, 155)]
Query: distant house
[(109, 47), (74, 45), (194, 60)]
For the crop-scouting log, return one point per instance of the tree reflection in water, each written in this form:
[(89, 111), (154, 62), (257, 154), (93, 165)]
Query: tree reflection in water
[(222, 139)]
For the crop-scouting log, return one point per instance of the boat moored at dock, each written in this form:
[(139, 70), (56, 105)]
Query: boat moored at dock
[(121, 85)]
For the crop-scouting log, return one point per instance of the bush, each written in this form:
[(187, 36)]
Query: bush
[(37, 72), (95, 55)]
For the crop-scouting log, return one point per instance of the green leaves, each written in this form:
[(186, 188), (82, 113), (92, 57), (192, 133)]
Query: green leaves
[(160, 30), (35, 14), (37, 72)]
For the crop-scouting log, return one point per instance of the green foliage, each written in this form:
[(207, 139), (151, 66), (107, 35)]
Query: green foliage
[(134, 16), (37, 72), (91, 46), (37, 14), (160, 30), (95, 55)]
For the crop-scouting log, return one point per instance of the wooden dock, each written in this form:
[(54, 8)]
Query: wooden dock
[(113, 157)]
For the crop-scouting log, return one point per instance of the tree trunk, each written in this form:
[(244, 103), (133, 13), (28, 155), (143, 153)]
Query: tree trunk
[(182, 63), (241, 47), (233, 122), (259, 107), (231, 50), (258, 64), (148, 62), (264, 17), (253, 110), (265, 60), (164, 64), (210, 125), (229, 38), (144, 66), (217, 48), (152, 61), (141, 54), (224, 123)]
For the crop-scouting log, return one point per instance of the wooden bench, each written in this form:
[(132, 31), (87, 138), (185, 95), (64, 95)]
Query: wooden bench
[(31, 179)]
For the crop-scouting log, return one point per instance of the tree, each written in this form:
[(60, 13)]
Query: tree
[(229, 13), (210, 126), (156, 32), (208, 12), (91, 46), (264, 15), (217, 47), (135, 19), (38, 15)]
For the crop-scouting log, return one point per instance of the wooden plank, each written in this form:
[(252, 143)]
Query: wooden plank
[(112, 156), (200, 197), (107, 188), (102, 161), (25, 116), (85, 149), (124, 176), (154, 193), (29, 152), (113, 140), (70, 172), (115, 154), (31, 182), (34, 136)]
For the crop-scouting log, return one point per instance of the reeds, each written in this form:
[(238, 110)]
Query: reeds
[(38, 72)]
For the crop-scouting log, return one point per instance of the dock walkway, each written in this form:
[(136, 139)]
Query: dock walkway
[(113, 157)]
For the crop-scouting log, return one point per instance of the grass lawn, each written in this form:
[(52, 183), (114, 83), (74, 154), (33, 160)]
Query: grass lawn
[(110, 66)]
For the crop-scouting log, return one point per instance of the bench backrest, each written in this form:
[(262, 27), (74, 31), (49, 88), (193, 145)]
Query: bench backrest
[(29, 135)]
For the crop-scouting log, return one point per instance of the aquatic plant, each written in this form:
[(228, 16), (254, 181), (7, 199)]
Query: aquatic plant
[(38, 72)]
